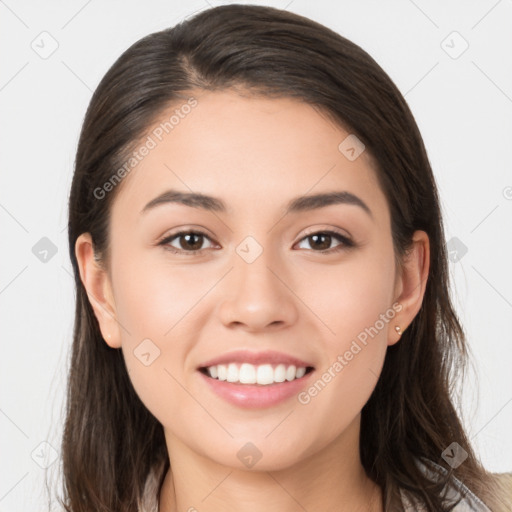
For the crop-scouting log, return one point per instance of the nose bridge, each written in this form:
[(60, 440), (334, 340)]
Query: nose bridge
[(253, 272), (259, 296)]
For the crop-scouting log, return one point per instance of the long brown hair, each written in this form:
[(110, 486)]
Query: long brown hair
[(111, 442)]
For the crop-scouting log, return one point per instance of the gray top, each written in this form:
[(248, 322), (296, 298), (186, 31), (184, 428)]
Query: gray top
[(470, 502)]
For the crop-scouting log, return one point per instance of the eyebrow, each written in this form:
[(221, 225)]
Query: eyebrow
[(298, 204)]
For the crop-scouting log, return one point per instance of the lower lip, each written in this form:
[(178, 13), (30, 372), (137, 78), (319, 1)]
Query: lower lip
[(255, 396)]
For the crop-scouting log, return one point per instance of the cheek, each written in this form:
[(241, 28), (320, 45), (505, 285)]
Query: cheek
[(154, 304), (353, 295), (355, 301), (151, 299)]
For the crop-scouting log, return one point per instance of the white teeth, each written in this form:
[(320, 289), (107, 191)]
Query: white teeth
[(247, 374), (213, 371), (300, 372), (280, 373), (221, 370), (291, 372), (233, 373), (263, 374)]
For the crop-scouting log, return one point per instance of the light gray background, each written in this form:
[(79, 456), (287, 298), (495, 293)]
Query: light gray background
[(463, 106)]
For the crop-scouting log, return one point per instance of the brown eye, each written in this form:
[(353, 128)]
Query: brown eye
[(322, 240), (188, 241), (192, 241)]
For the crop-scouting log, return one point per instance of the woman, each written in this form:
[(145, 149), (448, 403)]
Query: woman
[(263, 317)]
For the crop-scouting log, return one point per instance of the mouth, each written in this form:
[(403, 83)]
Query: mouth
[(249, 379), (260, 375)]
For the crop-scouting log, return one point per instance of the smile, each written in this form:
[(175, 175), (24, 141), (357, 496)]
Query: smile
[(263, 375), (274, 390)]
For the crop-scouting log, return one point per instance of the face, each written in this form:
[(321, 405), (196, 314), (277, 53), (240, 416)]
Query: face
[(266, 276)]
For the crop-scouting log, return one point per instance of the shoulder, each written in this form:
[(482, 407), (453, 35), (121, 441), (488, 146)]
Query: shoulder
[(469, 502)]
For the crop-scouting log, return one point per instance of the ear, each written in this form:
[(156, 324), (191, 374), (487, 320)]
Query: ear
[(411, 283), (99, 290)]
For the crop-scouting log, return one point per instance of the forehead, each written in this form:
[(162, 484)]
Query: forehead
[(252, 151)]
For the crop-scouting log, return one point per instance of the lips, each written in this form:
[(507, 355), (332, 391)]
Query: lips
[(269, 390)]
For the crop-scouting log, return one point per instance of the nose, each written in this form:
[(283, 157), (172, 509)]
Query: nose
[(258, 296)]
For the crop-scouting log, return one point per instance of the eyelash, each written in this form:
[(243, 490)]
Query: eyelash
[(346, 243)]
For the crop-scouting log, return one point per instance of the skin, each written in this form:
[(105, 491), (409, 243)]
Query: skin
[(255, 154)]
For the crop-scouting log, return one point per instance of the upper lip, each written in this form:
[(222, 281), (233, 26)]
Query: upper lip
[(256, 358)]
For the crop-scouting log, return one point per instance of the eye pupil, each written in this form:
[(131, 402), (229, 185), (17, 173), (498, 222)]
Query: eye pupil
[(320, 245), (189, 245)]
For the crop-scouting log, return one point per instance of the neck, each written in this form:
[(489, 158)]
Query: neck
[(332, 480)]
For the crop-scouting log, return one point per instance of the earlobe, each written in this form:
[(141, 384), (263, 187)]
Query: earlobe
[(97, 284), (412, 284)]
